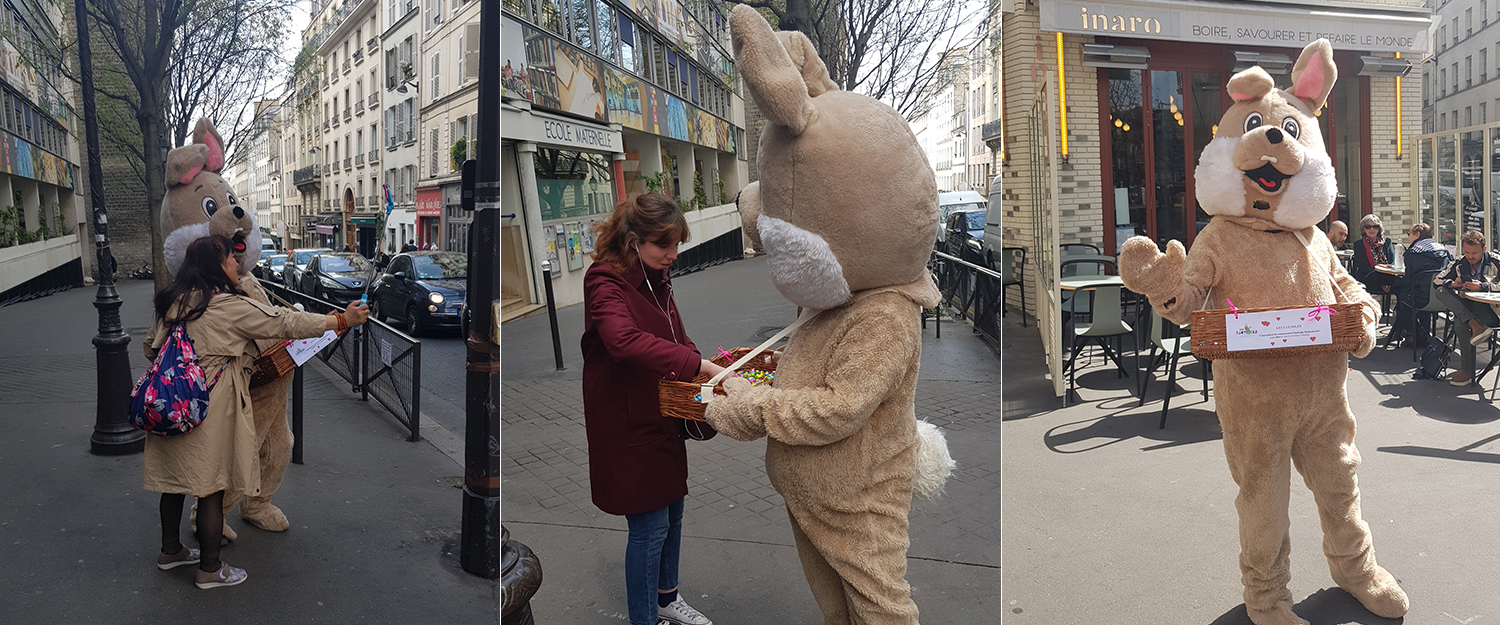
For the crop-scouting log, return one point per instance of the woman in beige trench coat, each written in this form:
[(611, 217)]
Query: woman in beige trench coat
[(220, 453)]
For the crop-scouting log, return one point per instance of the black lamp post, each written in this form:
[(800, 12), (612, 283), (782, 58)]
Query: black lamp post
[(112, 436), (479, 546)]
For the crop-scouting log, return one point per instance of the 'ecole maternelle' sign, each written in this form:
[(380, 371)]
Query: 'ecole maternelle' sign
[(1243, 24)]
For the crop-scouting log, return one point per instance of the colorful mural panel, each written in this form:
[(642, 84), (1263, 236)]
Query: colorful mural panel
[(677, 120), (515, 79), (541, 69), (622, 95), (579, 87)]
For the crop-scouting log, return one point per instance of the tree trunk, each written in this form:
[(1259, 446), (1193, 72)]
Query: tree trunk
[(151, 121), (798, 16)]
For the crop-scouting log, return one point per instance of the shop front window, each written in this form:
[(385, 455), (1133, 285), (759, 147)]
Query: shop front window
[(1425, 211), (573, 184), (1207, 107), (1443, 229), (1127, 154), (1168, 156), (1348, 147), (1471, 155)]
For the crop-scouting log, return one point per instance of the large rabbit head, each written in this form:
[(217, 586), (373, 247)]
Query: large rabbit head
[(200, 202)]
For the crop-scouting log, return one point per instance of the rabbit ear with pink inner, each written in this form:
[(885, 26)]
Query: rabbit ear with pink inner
[(204, 133)]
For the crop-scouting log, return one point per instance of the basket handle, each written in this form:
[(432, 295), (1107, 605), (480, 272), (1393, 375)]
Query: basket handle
[(706, 393)]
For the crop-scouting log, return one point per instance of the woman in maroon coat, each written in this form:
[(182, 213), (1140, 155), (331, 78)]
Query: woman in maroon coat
[(632, 337)]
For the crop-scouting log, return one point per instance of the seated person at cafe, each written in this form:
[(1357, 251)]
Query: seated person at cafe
[(1423, 255), (1477, 270), (1338, 234), (1374, 249)]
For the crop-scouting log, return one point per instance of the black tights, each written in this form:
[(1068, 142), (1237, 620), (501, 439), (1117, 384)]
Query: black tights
[(210, 527)]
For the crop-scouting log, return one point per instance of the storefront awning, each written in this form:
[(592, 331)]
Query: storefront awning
[(363, 220), (1242, 23)]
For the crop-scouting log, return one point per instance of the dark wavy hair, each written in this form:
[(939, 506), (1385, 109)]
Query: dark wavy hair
[(651, 217), (198, 279)]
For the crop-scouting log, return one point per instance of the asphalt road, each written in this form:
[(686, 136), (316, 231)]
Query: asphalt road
[(443, 375)]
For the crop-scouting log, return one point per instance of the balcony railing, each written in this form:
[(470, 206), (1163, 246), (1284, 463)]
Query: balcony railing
[(374, 45), (359, 56), (373, 101), (311, 173), (375, 201), (325, 126), (347, 160), (374, 156), (359, 202), (346, 66), (335, 120), (348, 115), (359, 160)]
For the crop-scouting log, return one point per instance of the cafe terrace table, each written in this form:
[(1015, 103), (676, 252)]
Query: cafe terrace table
[(1493, 299), (1391, 270)]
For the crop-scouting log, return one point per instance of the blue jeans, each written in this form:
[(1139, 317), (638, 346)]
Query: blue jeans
[(651, 559)]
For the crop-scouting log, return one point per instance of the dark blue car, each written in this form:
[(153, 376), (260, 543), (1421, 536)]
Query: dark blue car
[(424, 290)]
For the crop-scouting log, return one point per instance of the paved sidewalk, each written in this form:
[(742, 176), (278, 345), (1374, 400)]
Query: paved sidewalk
[(375, 519), (1111, 520), (738, 561)]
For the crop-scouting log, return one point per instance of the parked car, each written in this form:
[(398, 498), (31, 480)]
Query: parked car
[(955, 201), (296, 261), (965, 228), (269, 268), (423, 290), (338, 277)]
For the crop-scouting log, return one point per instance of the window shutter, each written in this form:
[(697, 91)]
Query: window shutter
[(436, 86), (471, 52), (432, 165)]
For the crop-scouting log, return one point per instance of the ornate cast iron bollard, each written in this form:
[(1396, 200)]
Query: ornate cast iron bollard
[(520, 577)]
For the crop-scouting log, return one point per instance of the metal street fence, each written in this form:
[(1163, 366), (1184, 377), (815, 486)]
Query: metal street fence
[(375, 359), (971, 290)]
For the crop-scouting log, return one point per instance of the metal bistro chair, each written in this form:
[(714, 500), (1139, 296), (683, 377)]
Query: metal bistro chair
[(1106, 321), (1435, 310), (1090, 266), (1068, 249), (1013, 269), (1165, 337)]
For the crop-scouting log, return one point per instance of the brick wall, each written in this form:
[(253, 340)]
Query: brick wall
[(1031, 59), (1392, 196)]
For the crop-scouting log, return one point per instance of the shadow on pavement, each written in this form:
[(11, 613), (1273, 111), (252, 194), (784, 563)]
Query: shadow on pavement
[(1328, 606)]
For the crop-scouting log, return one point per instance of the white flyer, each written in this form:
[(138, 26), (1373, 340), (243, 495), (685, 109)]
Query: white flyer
[(1275, 329), (385, 352), (303, 350)]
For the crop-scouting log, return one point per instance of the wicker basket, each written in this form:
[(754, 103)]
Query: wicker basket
[(678, 399), (1209, 341), (271, 364)]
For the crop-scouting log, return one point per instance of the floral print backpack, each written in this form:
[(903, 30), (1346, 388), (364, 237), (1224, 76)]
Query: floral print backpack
[(172, 397)]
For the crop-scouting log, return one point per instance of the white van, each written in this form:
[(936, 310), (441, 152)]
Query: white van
[(956, 200), (993, 235)]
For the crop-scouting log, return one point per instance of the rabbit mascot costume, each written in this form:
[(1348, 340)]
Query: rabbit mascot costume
[(1267, 180), (200, 202), (845, 210)]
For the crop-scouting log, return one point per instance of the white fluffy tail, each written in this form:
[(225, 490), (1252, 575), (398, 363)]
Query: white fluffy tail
[(934, 465)]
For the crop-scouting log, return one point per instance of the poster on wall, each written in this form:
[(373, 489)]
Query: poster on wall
[(549, 232), (540, 68), (560, 242), (721, 131), (588, 236), (622, 95), (579, 87), (515, 80), (575, 245)]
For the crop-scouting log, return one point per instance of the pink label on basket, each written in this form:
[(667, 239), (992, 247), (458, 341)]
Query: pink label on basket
[(1278, 329)]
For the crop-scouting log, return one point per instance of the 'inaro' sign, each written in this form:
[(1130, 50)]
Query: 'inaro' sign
[(1248, 24)]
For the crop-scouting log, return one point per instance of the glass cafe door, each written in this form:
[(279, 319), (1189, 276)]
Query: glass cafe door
[(1154, 118)]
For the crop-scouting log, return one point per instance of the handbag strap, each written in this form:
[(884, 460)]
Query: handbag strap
[(707, 389)]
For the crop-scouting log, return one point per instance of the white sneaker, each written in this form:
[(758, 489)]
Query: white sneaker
[(680, 613)]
